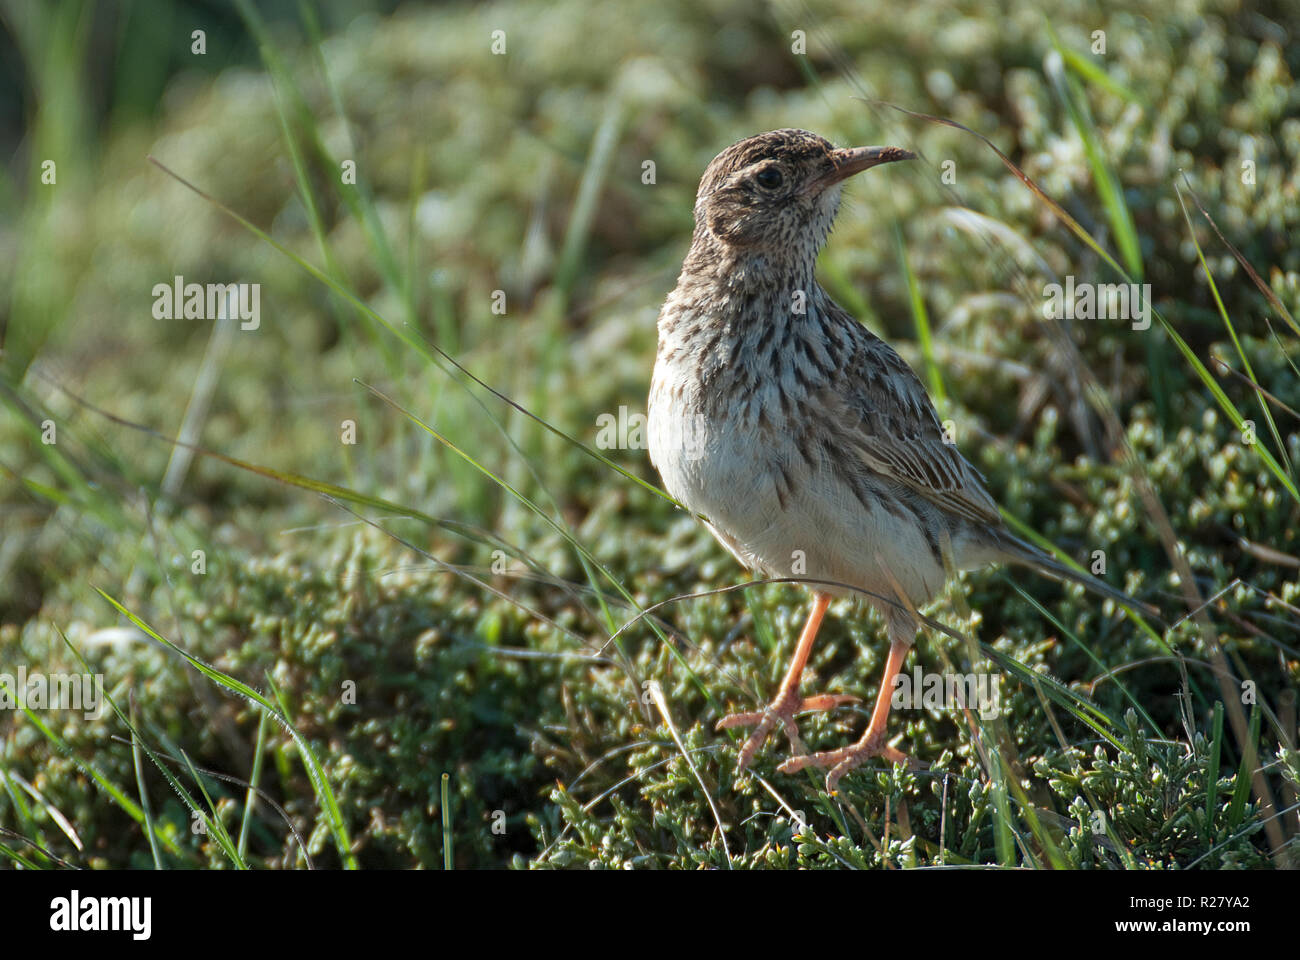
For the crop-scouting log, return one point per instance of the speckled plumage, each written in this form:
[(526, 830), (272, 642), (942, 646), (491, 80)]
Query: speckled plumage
[(808, 444)]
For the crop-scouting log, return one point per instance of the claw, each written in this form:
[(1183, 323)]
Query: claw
[(787, 702), (782, 710), (846, 758)]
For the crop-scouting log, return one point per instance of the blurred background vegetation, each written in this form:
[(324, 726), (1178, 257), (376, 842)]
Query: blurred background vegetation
[(430, 608)]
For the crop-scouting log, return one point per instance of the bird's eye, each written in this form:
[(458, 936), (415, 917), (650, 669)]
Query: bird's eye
[(769, 178)]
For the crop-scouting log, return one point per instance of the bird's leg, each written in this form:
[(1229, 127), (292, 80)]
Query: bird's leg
[(872, 743), (787, 702)]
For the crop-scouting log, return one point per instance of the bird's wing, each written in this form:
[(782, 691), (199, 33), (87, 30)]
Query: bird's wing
[(891, 426)]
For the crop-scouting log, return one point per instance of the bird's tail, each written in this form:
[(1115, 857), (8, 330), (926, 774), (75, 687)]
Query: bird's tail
[(1018, 551)]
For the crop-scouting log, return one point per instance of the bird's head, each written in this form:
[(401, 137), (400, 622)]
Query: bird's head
[(777, 193)]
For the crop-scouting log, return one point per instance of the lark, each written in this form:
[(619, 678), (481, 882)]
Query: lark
[(806, 443)]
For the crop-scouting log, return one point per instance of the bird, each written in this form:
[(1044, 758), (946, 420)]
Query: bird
[(805, 443)]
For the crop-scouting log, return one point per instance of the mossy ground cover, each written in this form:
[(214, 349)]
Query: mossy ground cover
[(455, 639)]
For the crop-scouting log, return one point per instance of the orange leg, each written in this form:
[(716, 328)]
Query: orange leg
[(787, 702), (872, 743)]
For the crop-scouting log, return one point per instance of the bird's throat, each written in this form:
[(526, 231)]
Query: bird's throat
[(732, 291)]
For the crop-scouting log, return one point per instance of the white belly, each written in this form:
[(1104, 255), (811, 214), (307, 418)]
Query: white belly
[(816, 528)]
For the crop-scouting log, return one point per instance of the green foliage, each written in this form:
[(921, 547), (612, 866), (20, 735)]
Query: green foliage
[(459, 623)]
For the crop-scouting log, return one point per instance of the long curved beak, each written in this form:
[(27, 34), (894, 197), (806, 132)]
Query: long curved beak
[(851, 160)]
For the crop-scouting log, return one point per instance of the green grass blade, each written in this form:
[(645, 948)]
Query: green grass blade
[(1094, 74), (599, 158), (1212, 770), (448, 858), (1086, 713), (1237, 808), (1034, 537), (315, 772), (1088, 651), (250, 798), (1108, 188), (922, 318), (125, 803), (216, 829), (145, 806), (1232, 332)]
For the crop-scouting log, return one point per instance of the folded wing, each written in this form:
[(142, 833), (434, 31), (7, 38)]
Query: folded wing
[(890, 426)]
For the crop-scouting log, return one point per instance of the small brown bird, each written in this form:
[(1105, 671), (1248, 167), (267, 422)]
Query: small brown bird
[(807, 444)]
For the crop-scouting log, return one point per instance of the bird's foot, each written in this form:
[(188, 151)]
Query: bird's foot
[(781, 710), (843, 760)]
